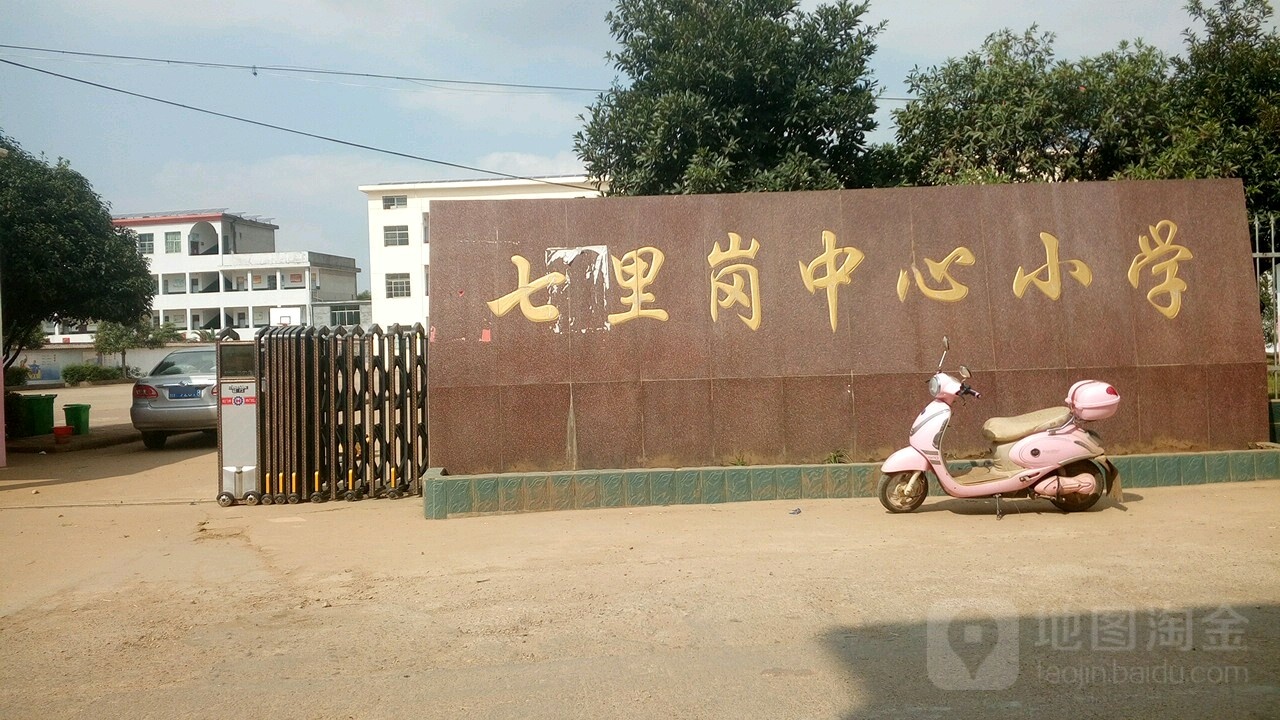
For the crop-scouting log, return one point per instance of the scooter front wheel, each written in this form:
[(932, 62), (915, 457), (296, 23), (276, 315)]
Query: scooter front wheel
[(903, 492)]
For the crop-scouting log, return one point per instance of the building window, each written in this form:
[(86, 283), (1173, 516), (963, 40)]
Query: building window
[(395, 235), (426, 279), (395, 202), (397, 285), (344, 315), (146, 243), (173, 242)]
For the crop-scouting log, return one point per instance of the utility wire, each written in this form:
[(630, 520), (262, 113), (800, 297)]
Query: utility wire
[(281, 128), (314, 71)]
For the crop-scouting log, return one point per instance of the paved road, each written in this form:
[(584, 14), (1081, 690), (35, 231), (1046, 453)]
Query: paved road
[(114, 606), (110, 403)]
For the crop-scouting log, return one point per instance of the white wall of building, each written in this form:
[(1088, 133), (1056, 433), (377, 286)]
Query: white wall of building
[(213, 268), (414, 258)]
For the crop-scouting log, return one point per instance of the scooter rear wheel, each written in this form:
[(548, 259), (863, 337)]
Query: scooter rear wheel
[(1076, 502), (896, 495)]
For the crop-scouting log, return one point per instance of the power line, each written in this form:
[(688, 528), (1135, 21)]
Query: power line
[(281, 128), (255, 69), (313, 71)]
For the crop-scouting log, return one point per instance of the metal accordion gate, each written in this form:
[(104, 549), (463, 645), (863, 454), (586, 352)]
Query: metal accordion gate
[(342, 413)]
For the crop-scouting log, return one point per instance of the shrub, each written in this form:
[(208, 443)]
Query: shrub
[(72, 374), (16, 376)]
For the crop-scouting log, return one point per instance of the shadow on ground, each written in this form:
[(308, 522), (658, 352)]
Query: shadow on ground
[(33, 471), (987, 506), (980, 658)]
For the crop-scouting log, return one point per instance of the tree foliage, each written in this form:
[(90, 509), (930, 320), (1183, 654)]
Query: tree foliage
[(60, 257), (112, 338), (731, 96), (1012, 112), (1227, 119)]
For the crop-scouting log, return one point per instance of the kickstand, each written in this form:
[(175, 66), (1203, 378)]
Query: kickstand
[(999, 512)]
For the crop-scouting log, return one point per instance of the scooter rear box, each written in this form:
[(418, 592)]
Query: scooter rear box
[(1093, 400)]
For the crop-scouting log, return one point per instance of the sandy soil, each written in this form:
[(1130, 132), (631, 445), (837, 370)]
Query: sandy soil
[(125, 592)]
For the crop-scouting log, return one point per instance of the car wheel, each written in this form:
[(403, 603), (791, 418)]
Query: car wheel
[(154, 440)]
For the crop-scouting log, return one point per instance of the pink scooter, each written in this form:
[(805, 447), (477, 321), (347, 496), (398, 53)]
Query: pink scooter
[(1042, 454)]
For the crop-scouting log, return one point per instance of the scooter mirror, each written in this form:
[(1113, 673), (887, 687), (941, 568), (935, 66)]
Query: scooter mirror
[(964, 372), (946, 344)]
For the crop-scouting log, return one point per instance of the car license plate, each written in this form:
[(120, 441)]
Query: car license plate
[(185, 393)]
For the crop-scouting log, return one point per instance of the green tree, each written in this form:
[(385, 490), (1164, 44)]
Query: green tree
[(113, 337), (60, 257), (1226, 122), (1012, 112), (731, 96)]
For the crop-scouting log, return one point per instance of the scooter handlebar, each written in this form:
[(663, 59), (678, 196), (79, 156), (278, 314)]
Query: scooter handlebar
[(965, 389)]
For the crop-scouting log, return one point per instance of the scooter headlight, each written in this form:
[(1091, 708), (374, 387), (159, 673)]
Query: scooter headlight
[(935, 386)]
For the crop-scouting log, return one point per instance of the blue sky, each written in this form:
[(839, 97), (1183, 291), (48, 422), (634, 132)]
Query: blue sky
[(142, 156)]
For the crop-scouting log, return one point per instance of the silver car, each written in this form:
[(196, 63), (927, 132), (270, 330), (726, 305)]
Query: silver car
[(178, 395)]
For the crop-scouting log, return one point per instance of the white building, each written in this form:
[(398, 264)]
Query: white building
[(213, 269), (400, 234)]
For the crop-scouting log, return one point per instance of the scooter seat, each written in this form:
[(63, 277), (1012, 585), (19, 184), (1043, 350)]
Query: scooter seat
[(1008, 429)]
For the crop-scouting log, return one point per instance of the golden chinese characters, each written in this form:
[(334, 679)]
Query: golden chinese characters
[(634, 274), (736, 284), (1051, 283), (525, 288), (834, 276), (953, 291), (1163, 256)]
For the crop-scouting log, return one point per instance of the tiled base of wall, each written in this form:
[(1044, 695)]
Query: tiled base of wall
[(445, 495)]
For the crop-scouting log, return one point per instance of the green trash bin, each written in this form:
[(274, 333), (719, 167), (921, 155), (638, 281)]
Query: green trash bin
[(37, 414), (77, 417)]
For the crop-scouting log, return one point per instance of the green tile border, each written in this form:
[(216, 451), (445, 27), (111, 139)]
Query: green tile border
[(688, 488), (636, 491), (444, 495), (841, 478), (1191, 468), (563, 491), (742, 484), (1243, 465), (1217, 467), (813, 482), (1267, 465), (788, 483), (586, 490), (1168, 470), (713, 486), (662, 486)]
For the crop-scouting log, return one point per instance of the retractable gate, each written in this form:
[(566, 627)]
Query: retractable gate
[(342, 413)]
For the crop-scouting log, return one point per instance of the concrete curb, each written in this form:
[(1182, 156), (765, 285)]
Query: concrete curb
[(445, 495)]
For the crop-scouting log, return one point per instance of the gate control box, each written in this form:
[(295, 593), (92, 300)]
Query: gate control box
[(238, 423)]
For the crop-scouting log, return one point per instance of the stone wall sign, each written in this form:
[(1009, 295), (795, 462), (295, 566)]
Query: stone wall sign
[(787, 327)]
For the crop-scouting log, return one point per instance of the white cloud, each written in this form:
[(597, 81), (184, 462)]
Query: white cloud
[(524, 164), (371, 23), (421, 37), (927, 32), (503, 114)]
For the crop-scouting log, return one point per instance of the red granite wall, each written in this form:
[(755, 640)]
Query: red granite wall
[(581, 376)]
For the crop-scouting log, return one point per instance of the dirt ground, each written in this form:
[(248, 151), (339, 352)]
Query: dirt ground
[(125, 592)]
